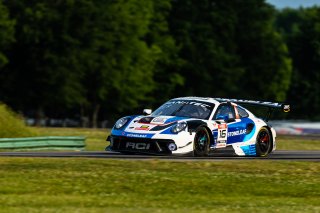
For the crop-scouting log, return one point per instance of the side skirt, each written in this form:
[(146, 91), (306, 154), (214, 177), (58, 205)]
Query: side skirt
[(223, 152)]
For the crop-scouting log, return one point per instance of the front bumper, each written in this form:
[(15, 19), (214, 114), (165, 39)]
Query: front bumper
[(140, 145)]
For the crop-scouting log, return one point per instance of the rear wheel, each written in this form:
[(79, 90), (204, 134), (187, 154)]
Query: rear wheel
[(264, 142), (201, 142)]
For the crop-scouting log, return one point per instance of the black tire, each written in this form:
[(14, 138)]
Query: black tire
[(263, 142), (201, 145)]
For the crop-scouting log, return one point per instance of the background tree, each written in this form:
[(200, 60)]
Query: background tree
[(103, 59), (205, 35), (230, 49), (168, 63), (41, 64), (263, 52), (131, 60), (6, 39), (82, 52), (6, 33), (302, 31)]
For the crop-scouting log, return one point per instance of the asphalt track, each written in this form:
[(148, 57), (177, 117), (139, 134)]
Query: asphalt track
[(277, 155)]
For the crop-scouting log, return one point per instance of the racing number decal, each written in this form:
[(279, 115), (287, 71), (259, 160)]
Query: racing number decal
[(222, 136), (223, 133)]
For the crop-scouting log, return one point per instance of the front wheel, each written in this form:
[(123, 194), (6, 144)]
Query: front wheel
[(264, 142), (201, 142)]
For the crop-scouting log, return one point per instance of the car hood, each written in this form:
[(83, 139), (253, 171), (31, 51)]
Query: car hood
[(152, 123)]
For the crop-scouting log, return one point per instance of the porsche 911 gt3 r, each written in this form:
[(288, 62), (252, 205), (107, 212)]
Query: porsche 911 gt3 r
[(197, 126)]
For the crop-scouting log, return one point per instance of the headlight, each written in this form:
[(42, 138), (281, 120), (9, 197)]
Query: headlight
[(121, 122), (179, 127)]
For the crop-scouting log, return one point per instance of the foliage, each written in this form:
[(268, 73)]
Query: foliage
[(263, 52), (11, 125), (206, 39), (99, 185), (6, 33), (131, 59), (41, 66), (168, 63), (81, 53), (302, 30), (227, 52), (97, 60)]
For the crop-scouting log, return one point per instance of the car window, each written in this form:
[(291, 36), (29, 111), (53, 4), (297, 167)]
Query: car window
[(191, 109), (242, 112), (224, 112)]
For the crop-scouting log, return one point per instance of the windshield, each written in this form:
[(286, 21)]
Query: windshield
[(185, 108)]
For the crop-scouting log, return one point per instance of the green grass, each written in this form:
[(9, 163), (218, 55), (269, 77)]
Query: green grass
[(296, 143), (96, 139), (102, 185)]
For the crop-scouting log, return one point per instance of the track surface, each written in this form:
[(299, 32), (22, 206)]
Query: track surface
[(277, 155)]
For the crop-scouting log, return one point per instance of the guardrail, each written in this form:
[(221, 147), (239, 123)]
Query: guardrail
[(40, 143)]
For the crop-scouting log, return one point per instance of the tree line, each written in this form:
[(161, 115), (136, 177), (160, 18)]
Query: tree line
[(102, 59)]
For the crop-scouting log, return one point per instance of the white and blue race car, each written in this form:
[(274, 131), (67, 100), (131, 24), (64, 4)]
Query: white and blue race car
[(197, 126)]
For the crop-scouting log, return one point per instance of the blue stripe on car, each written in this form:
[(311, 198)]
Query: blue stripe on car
[(249, 150), (175, 119), (168, 131), (131, 134), (237, 131)]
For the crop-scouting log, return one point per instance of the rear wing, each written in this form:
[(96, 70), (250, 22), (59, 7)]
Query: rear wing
[(270, 105)]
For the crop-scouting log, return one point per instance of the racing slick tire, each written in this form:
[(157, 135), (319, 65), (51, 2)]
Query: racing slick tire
[(263, 142), (201, 144)]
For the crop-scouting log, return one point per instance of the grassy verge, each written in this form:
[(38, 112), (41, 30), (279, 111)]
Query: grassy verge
[(96, 139), (99, 185), (296, 143), (12, 125)]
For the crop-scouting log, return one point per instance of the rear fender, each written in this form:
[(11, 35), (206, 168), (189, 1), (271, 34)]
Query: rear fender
[(272, 137)]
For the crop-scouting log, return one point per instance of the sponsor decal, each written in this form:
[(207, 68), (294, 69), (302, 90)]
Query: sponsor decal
[(222, 126), (236, 133), (136, 135), (191, 103), (143, 127), (160, 120), (140, 146), (251, 102), (221, 144)]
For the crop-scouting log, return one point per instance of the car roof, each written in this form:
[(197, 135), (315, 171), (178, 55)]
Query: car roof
[(204, 99)]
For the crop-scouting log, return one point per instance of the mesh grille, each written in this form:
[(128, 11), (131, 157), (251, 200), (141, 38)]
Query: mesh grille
[(143, 145)]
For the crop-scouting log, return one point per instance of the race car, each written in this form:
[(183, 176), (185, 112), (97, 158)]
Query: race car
[(197, 126)]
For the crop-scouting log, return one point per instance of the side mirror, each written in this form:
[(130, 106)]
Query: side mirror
[(231, 120), (147, 111)]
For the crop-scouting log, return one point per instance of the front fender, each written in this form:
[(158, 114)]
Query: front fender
[(194, 124)]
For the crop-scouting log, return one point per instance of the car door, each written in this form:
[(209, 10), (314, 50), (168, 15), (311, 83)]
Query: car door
[(235, 129)]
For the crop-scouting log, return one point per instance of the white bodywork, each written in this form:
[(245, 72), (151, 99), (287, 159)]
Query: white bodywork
[(184, 140)]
